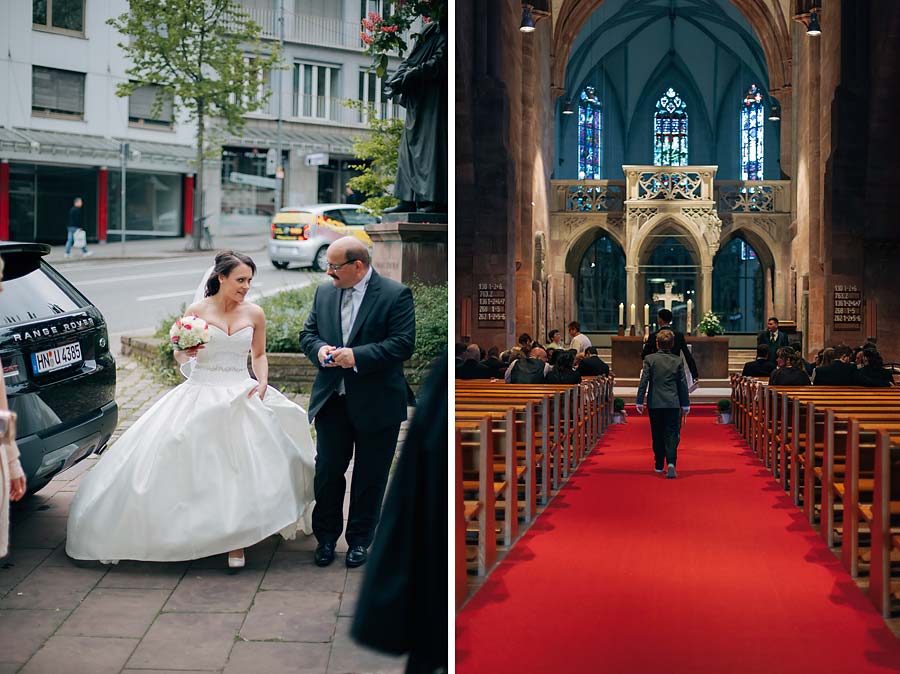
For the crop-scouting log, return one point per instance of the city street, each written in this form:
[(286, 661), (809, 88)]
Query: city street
[(157, 277)]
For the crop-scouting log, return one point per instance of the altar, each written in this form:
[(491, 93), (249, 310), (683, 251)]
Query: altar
[(710, 354)]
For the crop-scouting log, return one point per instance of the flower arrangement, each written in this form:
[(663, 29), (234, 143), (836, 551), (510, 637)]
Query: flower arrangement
[(188, 332), (710, 325), (382, 35)]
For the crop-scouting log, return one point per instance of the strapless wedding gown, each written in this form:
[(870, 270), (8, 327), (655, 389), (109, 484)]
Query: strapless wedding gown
[(205, 470)]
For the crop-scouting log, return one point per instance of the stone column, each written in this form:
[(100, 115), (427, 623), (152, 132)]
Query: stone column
[(706, 274), (631, 294)]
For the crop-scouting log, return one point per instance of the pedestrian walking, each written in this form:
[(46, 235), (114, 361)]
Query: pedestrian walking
[(76, 234), (667, 401)]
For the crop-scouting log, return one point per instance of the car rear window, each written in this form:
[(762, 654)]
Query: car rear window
[(32, 291), (354, 217)]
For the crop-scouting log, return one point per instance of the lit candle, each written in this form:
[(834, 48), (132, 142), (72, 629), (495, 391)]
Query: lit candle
[(646, 314), (632, 315), (690, 307), (621, 313)]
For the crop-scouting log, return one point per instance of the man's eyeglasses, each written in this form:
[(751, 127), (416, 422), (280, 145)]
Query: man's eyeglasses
[(335, 267)]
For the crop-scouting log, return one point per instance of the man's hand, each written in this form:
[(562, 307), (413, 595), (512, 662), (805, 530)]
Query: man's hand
[(324, 352), (685, 411), (344, 358), (639, 408)]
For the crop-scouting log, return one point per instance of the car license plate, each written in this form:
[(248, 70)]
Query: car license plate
[(285, 250), (57, 358)]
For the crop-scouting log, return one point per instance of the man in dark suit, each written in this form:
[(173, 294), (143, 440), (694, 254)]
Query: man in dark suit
[(667, 400), (494, 364), (773, 337), (841, 372), (472, 367), (592, 365), (664, 317), (360, 329), (762, 366)]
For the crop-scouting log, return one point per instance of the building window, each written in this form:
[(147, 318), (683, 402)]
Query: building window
[(316, 91), (752, 130), (589, 129), (58, 15), (383, 8), (670, 131), (601, 285), (370, 93), (141, 107), (57, 92), (738, 287)]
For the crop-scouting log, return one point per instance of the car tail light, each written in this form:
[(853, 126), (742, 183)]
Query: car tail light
[(273, 230), (305, 231)]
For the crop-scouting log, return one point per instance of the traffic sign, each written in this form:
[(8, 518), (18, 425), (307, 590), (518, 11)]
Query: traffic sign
[(317, 159), (256, 181)]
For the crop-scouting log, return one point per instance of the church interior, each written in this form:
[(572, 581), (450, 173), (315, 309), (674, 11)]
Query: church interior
[(728, 161)]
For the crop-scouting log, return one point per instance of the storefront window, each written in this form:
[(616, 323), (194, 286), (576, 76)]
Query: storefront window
[(40, 198), (246, 195), (153, 205)]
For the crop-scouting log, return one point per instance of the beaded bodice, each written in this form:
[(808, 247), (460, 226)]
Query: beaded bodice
[(224, 359)]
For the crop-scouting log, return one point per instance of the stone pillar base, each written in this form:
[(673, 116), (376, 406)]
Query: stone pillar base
[(411, 246)]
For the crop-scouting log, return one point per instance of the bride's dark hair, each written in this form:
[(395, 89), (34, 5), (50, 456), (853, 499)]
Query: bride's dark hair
[(225, 263)]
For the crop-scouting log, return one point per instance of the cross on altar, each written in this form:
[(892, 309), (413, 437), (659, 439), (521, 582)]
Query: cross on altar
[(668, 297)]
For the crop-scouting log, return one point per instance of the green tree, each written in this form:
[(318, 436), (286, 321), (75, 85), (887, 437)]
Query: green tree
[(207, 56), (379, 150)]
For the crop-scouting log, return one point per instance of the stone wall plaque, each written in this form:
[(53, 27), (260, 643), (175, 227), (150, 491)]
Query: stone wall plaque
[(847, 307), (491, 305)]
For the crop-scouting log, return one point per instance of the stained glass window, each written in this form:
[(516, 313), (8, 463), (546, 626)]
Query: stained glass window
[(752, 135), (738, 297), (589, 127), (670, 131), (601, 285)]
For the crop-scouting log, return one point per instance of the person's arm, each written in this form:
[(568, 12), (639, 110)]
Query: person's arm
[(649, 346), (642, 386), (689, 359), (315, 348), (399, 344), (259, 362), (17, 482)]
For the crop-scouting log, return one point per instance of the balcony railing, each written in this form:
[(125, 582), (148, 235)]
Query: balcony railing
[(681, 183), (332, 109), (308, 29)]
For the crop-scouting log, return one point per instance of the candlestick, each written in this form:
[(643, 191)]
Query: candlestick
[(646, 314), (632, 314), (621, 313), (690, 307)]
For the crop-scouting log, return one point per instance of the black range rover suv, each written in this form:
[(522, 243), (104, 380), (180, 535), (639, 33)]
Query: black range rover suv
[(60, 375)]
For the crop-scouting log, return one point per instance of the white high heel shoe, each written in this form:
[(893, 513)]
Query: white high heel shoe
[(236, 562)]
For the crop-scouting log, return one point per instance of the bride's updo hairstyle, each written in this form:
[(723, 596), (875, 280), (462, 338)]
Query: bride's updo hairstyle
[(225, 263)]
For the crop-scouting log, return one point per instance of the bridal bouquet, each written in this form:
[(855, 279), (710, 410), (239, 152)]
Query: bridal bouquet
[(188, 332)]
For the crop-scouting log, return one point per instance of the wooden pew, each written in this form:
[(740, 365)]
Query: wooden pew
[(884, 521), (478, 512)]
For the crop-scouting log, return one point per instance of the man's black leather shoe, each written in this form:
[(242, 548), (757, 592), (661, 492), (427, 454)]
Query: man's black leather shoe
[(357, 556), (324, 554)]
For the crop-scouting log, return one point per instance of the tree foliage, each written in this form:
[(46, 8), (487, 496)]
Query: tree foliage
[(196, 52), (379, 151)]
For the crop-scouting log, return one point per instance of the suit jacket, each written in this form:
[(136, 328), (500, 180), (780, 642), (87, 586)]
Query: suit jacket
[(758, 368), (679, 349), (875, 376), (593, 366), (837, 374), (472, 369), (382, 337), (496, 367), (664, 374), (780, 341)]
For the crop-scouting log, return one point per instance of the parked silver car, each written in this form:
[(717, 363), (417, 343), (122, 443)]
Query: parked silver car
[(302, 234)]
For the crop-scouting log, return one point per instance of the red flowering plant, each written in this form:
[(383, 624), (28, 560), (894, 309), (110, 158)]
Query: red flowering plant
[(383, 35)]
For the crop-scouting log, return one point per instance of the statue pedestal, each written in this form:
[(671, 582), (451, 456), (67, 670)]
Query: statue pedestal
[(411, 246), (710, 354)]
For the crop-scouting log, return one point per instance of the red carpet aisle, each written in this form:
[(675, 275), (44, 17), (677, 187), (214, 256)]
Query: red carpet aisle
[(714, 572)]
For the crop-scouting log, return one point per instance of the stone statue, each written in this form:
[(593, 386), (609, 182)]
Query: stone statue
[(420, 86)]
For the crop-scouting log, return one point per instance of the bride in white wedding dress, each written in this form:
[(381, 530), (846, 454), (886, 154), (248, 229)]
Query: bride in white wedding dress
[(219, 463)]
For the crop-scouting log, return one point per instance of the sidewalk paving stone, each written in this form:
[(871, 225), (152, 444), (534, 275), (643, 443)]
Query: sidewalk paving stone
[(144, 575), (348, 657), (288, 615), (254, 657), (25, 631), (81, 655), (214, 591), (115, 613), (52, 587), (188, 641)]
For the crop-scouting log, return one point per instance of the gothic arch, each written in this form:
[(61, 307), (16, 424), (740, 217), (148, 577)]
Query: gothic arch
[(581, 240), (771, 27), (766, 248), (639, 247)]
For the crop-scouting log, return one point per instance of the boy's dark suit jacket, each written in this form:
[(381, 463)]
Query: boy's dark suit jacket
[(382, 337), (679, 349)]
